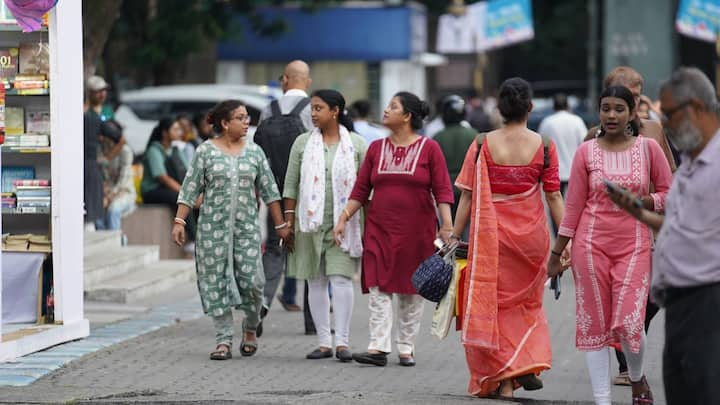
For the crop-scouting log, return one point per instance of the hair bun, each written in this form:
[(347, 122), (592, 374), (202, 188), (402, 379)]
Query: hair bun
[(424, 109)]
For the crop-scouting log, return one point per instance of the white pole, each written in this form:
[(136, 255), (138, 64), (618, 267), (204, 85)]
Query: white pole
[(66, 126)]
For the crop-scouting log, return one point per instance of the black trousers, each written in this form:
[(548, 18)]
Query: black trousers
[(691, 358), (163, 195)]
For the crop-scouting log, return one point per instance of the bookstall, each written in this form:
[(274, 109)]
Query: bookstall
[(41, 96)]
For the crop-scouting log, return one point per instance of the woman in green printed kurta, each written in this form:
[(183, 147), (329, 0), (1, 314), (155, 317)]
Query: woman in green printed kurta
[(321, 173), (227, 170)]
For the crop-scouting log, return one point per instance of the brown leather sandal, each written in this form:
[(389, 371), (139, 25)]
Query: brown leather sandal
[(645, 397), (220, 353)]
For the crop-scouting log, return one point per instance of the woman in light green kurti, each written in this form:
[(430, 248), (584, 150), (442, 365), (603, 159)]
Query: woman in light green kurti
[(321, 173), (227, 170)]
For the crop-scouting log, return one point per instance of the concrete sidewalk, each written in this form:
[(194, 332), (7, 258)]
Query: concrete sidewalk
[(171, 365)]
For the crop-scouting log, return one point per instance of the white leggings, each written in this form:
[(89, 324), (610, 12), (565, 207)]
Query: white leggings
[(342, 301), (598, 363)]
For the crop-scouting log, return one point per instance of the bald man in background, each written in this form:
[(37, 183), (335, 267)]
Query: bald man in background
[(295, 83)]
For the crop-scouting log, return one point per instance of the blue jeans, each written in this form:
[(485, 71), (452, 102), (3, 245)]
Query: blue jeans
[(112, 220)]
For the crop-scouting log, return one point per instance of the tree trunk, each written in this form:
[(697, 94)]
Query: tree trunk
[(98, 20)]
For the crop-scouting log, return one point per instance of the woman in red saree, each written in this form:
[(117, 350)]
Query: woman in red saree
[(504, 329)]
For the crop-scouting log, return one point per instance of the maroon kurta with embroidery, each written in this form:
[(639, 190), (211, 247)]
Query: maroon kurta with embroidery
[(400, 222)]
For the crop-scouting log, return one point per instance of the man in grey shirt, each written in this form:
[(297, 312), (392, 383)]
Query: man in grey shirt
[(686, 262), (295, 81)]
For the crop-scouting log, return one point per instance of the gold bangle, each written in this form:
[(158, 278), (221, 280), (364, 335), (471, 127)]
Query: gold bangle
[(347, 214)]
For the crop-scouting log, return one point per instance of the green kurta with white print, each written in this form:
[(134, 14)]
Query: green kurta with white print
[(228, 256)]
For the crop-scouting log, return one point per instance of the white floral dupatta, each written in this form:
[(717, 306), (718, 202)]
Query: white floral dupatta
[(311, 201)]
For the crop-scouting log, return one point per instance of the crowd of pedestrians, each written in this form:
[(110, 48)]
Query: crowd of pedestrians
[(345, 195)]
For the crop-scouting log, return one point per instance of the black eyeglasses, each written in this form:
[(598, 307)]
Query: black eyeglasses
[(667, 115)]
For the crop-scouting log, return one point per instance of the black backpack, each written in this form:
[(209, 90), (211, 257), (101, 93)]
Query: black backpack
[(276, 135)]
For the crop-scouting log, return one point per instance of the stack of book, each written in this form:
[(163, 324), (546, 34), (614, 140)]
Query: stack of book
[(27, 140), (8, 200), (26, 242), (32, 195)]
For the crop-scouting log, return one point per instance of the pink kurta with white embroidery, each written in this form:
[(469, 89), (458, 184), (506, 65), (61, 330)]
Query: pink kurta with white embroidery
[(611, 250)]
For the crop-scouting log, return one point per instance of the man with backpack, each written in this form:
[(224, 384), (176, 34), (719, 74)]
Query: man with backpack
[(280, 123)]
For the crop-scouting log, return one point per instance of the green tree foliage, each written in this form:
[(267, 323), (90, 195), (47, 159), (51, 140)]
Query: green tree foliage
[(155, 37)]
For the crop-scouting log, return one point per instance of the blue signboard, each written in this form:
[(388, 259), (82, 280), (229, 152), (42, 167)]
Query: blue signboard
[(333, 33), (699, 19), (507, 22)]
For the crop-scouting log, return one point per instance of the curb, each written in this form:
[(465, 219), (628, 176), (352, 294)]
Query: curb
[(27, 369)]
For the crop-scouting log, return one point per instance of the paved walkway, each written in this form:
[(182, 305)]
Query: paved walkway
[(170, 365)]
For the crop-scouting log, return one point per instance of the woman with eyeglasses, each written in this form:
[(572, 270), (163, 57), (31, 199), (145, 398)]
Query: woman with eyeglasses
[(229, 171), (610, 251)]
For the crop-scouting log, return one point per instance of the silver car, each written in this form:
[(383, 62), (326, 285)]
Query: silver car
[(140, 110)]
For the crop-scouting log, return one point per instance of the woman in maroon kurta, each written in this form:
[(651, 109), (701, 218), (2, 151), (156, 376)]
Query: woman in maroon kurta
[(407, 176)]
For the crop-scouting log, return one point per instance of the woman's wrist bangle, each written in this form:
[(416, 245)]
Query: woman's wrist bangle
[(347, 213), (289, 211), (180, 221), (453, 236), (555, 253), (281, 226)]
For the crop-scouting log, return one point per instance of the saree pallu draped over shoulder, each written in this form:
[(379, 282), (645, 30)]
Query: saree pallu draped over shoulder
[(504, 329)]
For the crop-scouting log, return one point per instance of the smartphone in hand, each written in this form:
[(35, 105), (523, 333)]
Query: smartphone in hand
[(616, 189), (555, 285)]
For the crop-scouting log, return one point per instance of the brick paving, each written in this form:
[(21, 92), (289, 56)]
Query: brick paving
[(170, 365)]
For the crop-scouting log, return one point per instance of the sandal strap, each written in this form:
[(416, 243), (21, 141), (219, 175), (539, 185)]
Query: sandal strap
[(644, 398)]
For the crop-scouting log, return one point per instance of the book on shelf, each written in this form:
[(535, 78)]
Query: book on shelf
[(14, 120), (32, 192), (27, 242), (31, 92), (37, 120), (2, 114), (34, 59), (27, 140), (12, 173), (30, 84), (27, 195), (33, 204), (32, 182), (9, 202), (8, 63)]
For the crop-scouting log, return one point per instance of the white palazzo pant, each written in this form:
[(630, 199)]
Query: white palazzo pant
[(410, 310)]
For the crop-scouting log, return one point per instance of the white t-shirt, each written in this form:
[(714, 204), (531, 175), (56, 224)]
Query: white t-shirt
[(370, 131), (567, 130)]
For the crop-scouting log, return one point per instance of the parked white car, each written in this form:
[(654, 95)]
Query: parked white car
[(140, 110)]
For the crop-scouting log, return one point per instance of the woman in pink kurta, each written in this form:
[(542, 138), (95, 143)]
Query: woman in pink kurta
[(408, 178), (611, 250)]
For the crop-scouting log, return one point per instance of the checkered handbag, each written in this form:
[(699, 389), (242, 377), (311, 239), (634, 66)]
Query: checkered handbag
[(432, 278)]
